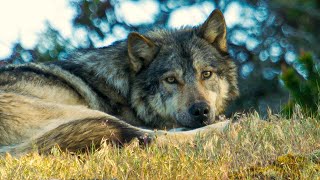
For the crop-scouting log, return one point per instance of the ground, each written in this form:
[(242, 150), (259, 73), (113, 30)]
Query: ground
[(253, 149)]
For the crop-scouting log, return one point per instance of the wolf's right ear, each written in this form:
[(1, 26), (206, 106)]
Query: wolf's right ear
[(214, 30), (141, 51)]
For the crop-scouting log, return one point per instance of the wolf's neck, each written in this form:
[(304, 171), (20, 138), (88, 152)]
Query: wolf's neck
[(106, 70)]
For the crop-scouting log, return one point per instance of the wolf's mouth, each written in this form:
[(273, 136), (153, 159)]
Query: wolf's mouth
[(192, 125), (185, 121)]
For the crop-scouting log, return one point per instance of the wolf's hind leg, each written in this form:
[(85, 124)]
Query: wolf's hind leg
[(81, 134), (23, 117)]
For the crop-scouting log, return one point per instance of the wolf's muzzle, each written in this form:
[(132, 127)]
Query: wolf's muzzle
[(200, 113)]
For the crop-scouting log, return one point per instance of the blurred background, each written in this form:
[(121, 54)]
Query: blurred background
[(271, 41)]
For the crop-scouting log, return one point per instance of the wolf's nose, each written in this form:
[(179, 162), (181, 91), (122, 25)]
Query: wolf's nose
[(200, 111)]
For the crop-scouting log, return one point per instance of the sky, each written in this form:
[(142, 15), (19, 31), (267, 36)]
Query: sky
[(24, 20)]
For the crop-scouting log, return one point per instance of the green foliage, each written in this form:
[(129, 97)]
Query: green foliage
[(90, 14), (51, 46), (304, 89)]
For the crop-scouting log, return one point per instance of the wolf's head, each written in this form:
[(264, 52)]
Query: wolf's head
[(182, 77)]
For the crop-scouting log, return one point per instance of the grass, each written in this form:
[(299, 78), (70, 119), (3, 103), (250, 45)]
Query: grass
[(252, 149)]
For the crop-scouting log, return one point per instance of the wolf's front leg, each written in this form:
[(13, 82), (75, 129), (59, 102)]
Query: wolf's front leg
[(165, 137)]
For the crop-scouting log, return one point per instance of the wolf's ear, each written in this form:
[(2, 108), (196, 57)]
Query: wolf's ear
[(214, 30), (141, 50)]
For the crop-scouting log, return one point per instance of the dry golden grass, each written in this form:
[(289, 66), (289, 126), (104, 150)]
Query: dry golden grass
[(252, 149)]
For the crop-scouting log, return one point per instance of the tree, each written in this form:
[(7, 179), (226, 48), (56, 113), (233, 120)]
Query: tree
[(303, 85), (51, 46)]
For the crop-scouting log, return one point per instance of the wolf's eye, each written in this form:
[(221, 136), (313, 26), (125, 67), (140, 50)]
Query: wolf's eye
[(171, 80), (206, 74)]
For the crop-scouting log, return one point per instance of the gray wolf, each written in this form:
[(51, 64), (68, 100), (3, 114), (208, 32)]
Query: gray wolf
[(163, 79)]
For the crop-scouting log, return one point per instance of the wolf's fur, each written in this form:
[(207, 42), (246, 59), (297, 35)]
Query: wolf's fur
[(108, 93)]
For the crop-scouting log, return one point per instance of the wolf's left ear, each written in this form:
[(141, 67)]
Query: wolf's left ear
[(141, 50), (214, 30)]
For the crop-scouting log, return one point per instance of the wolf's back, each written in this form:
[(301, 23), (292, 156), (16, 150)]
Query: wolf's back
[(16, 77)]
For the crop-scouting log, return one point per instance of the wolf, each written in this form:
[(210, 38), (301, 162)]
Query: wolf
[(163, 79)]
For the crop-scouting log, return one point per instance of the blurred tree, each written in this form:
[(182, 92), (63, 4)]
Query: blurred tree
[(269, 33), (51, 46), (303, 20), (303, 84)]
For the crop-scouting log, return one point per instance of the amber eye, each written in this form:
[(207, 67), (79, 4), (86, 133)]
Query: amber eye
[(171, 80), (206, 74)]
